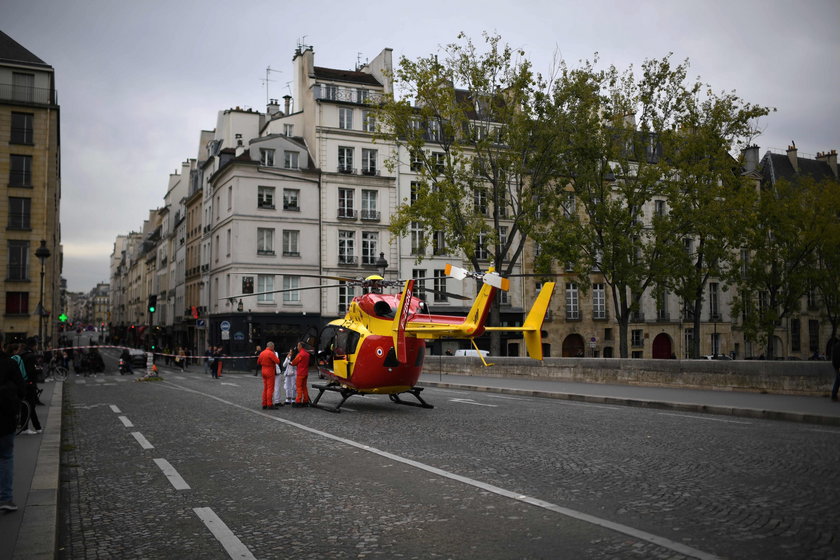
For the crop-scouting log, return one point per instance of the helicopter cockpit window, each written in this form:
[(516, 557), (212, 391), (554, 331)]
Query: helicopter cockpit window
[(345, 343)]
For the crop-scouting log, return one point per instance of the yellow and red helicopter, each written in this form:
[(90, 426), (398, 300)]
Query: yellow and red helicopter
[(380, 344)]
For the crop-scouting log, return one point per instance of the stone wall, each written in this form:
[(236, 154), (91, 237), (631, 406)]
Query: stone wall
[(781, 377)]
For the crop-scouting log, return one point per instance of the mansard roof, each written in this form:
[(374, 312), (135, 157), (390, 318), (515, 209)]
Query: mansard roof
[(351, 76), (12, 51), (779, 166)]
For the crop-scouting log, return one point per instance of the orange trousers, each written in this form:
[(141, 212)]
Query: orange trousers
[(302, 389), (268, 389)]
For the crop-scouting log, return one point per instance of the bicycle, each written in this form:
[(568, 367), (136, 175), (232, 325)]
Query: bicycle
[(23, 417), (56, 372)]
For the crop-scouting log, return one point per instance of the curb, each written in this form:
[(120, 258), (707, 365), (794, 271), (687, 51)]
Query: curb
[(38, 536), (755, 413)]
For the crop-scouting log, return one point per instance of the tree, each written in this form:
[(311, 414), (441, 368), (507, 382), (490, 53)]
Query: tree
[(478, 152), (611, 128), (706, 196), (778, 264)]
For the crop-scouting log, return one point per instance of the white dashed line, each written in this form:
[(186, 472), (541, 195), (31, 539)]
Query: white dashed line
[(144, 443), (115, 408), (231, 543), (126, 422), (169, 471), (704, 418)]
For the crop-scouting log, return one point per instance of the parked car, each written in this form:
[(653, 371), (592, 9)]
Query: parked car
[(138, 357), (717, 357)]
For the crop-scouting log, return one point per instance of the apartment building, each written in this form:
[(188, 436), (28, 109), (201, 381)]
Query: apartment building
[(30, 180)]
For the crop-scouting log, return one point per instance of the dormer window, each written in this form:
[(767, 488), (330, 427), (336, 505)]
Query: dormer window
[(267, 157)]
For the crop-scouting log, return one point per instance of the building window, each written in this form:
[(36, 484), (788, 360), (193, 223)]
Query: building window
[(368, 162), (416, 238), (23, 87), (345, 159), (370, 242), (291, 199), (265, 197), (480, 201), (416, 163), (813, 335), (714, 309), (439, 162), (659, 207), (17, 303), (636, 340), (481, 252), (345, 203), (599, 301), (569, 205), (369, 203), (419, 274), (291, 238), (291, 283), (345, 296), (267, 157), (265, 283), (346, 247), (228, 241), (438, 243), (362, 95), (265, 241), (414, 192), (368, 121), (662, 305), (290, 159), (20, 210), (329, 91), (440, 285), (22, 129), (608, 333), (572, 302), (18, 260), (433, 131), (345, 118), (288, 129), (20, 171), (795, 335)]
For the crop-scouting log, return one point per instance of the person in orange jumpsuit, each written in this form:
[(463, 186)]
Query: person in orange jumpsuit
[(268, 361), (302, 363)]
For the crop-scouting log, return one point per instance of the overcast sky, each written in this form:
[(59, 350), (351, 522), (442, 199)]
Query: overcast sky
[(137, 81)]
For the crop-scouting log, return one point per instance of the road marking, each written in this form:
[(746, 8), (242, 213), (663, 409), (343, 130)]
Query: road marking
[(703, 418), (169, 471), (81, 381), (126, 422), (144, 443), (470, 401), (231, 384), (591, 405), (115, 408), (231, 543), (568, 512)]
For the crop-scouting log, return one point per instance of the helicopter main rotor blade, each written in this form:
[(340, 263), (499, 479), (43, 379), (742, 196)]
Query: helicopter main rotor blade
[(283, 290)]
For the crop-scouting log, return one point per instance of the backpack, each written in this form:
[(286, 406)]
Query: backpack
[(22, 367)]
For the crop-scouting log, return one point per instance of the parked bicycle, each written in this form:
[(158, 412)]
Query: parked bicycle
[(55, 372)]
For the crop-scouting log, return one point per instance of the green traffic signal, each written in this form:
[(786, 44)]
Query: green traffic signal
[(63, 317)]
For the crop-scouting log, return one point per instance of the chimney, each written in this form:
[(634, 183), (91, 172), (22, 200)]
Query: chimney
[(791, 153), (288, 100), (272, 108), (750, 158), (831, 159)]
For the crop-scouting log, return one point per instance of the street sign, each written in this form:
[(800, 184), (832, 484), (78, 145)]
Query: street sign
[(225, 326), (200, 323), (225, 335)]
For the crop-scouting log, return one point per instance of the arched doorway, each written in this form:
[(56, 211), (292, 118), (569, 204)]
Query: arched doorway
[(573, 346), (662, 347)]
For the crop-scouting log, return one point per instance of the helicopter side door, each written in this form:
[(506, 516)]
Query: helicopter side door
[(337, 349)]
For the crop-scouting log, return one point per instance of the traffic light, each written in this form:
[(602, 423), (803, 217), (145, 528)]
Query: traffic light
[(152, 303)]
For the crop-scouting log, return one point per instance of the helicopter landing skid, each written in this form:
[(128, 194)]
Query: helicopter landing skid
[(345, 392), (413, 391)]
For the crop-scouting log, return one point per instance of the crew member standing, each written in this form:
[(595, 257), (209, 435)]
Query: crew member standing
[(302, 363), (268, 361)]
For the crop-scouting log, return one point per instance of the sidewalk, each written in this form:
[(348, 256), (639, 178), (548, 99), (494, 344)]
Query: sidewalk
[(815, 410), (32, 530)]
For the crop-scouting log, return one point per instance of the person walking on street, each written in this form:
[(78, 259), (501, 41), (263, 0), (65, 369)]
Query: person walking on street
[(289, 374), (12, 391), (268, 361), (217, 362), (208, 361), (301, 361), (835, 363), (257, 353)]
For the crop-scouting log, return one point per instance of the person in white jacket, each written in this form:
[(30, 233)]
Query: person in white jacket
[(277, 398), (289, 373)]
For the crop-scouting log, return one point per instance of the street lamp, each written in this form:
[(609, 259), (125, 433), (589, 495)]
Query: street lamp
[(43, 254), (240, 307)]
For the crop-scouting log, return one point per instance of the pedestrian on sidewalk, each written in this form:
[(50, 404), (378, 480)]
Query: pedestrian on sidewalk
[(30, 388), (277, 398), (835, 363), (289, 374), (301, 361), (12, 391), (268, 361), (257, 353)]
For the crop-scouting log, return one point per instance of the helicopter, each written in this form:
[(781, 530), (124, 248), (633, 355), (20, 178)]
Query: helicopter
[(379, 346)]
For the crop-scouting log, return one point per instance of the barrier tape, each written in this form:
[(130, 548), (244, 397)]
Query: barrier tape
[(98, 347)]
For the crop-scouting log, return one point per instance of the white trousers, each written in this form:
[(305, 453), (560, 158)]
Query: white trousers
[(291, 388), (276, 398)]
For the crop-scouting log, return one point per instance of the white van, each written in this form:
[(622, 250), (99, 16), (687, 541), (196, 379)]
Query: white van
[(471, 352)]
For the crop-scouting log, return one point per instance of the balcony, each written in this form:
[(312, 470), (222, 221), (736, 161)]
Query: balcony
[(370, 171), (291, 207), (347, 260), (346, 214), (370, 215), (23, 94), (348, 169)]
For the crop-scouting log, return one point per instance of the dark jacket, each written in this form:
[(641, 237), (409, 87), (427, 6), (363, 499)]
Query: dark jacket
[(835, 355), (12, 391)]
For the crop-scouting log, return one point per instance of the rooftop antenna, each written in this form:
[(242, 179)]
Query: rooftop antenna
[(268, 71)]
